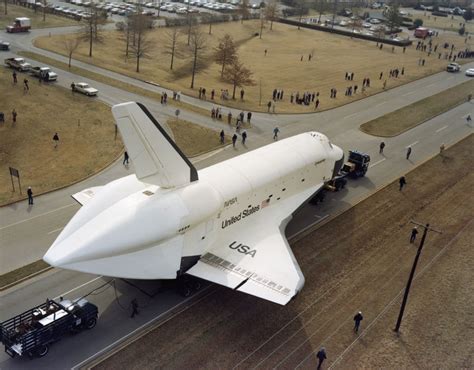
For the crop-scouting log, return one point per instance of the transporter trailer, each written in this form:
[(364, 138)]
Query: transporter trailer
[(356, 166), (32, 332)]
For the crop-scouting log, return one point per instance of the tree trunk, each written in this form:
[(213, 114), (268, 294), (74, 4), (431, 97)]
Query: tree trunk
[(172, 58), (271, 24), (261, 27), (223, 66), (6, 7), (210, 27), (128, 42), (90, 41), (233, 93), (139, 45), (138, 63), (194, 67), (70, 57)]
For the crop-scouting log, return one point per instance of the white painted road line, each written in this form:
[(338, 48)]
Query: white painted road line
[(78, 287), (379, 104), (412, 144), (351, 115), (430, 85), (409, 93), (55, 230), (376, 163), (43, 214), (441, 129)]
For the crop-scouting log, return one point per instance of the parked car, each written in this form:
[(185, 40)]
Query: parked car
[(470, 72), (85, 89), (375, 21), (453, 67)]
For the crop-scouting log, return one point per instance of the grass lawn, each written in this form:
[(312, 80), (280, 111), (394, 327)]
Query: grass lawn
[(15, 11), (85, 127), (18, 274), (281, 68), (86, 130), (403, 119), (110, 81)]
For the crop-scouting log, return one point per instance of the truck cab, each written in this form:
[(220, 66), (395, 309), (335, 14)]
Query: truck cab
[(21, 24)]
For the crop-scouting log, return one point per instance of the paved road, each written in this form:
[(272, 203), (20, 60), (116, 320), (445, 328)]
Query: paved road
[(28, 232)]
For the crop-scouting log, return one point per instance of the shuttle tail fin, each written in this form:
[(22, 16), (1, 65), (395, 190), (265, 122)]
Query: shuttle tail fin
[(156, 157)]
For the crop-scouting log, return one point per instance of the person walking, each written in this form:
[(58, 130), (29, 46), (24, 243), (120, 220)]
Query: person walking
[(14, 77), (276, 130), (269, 105), (30, 195), (234, 140), (14, 114), (468, 118), (25, 83), (134, 304), (402, 182), (249, 117), (357, 319), (125, 158), (229, 118), (441, 149), (73, 88), (244, 137), (321, 355), (222, 135), (414, 233), (408, 152), (381, 147), (56, 140)]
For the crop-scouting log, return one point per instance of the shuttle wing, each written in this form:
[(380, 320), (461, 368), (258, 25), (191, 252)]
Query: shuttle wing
[(256, 258), (156, 157)]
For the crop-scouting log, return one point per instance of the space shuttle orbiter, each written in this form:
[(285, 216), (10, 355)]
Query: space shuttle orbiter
[(224, 223)]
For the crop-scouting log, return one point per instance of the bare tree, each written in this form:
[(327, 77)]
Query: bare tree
[(6, 7), (191, 24), (302, 7), (92, 27), (226, 52), (321, 7), (272, 11), (357, 24), (198, 43), (209, 18), (171, 43), (142, 46), (238, 75), (244, 10), (71, 45), (262, 23), (44, 4)]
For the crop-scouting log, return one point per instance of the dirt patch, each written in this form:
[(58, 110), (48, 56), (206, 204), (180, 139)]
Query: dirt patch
[(286, 65), (358, 261), (393, 124), (15, 11)]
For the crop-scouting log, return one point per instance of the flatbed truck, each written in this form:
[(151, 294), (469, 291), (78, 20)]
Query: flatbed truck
[(32, 332)]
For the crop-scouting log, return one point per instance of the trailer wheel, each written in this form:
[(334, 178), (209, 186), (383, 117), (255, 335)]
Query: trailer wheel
[(42, 351), (91, 323)]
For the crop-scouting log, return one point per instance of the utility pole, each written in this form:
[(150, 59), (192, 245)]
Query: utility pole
[(412, 273)]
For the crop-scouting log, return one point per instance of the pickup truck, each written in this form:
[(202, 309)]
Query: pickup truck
[(45, 73), (18, 63), (21, 24), (32, 332)]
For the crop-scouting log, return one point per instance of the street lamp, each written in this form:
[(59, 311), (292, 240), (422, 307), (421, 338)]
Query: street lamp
[(412, 273)]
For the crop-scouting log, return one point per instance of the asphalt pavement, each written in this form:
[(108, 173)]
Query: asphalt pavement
[(28, 232)]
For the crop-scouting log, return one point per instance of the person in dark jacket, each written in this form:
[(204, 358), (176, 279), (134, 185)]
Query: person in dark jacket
[(357, 319), (414, 232), (222, 136), (234, 140), (402, 182), (125, 158), (321, 355), (30, 195)]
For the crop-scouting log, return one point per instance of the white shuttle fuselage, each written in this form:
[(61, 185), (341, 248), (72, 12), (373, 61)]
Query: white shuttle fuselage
[(224, 223)]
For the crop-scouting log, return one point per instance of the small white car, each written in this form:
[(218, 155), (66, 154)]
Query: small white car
[(453, 67), (470, 72), (85, 89), (375, 21)]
